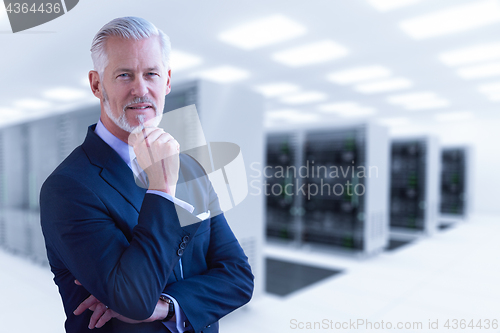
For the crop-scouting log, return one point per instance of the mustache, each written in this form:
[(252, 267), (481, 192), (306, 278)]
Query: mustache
[(140, 100)]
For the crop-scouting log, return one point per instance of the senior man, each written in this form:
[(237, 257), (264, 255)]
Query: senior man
[(127, 258)]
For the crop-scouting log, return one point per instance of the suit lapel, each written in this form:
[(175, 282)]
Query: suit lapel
[(114, 170), (122, 180)]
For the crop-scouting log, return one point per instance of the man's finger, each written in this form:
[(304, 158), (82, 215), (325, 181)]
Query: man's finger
[(100, 309), (144, 138), (151, 135), (105, 318), (151, 149), (165, 137), (91, 300), (137, 136), (78, 282)]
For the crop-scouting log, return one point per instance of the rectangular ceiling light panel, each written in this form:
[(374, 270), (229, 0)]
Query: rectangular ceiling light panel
[(66, 94), (411, 98), (338, 107), (292, 116), (267, 31), (454, 116), (387, 5), (347, 109), (359, 74), (470, 55), (480, 71), (418, 101), (29, 104), (489, 88), (494, 97), (281, 113), (394, 121), (305, 97), (181, 60), (454, 19), (277, 89), (430, 104), (224, 74), (360, 112), (311, 54), (384, 86)]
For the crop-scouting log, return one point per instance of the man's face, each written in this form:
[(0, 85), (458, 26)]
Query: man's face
[(134, 84)]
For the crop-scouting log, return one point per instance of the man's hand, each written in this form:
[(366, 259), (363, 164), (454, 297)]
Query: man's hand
[(158, 155), (102, 314)]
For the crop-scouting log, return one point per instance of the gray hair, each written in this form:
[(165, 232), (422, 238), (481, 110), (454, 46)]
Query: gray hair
[(129, 28)]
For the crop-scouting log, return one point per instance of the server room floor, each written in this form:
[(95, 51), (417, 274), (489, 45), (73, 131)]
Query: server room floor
[(451, 276)]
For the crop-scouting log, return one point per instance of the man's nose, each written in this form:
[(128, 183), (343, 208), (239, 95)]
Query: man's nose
[(139, 87)]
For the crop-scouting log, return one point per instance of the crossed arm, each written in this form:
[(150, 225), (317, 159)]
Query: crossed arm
[(225, 284), (102, 314)]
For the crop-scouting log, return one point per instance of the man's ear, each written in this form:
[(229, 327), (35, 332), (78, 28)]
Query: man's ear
[(95, 84), (168, 82)]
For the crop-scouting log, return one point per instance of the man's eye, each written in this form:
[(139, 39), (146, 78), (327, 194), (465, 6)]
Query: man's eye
[(152, 74), (123, 75)]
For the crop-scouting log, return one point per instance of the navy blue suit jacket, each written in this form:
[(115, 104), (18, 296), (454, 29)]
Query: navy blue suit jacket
[(123, 244)]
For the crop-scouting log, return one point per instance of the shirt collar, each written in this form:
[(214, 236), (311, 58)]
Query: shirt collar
[(125, 151)]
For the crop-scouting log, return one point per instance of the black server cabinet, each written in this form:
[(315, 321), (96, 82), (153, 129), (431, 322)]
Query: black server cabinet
[(29, 153), (453, 181), (334, 215), (408, 180), (280, 181)]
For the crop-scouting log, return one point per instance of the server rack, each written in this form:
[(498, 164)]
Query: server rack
[(17, 232), (336, 216), (455, 182), (29, 153), (279, 175), (414, 185), (344, 201)]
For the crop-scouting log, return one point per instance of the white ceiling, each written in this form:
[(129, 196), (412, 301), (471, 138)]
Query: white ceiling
[(56, 54)]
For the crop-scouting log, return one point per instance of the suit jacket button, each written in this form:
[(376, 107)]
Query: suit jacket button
[(180, 252), (182, 245), (185, 239)]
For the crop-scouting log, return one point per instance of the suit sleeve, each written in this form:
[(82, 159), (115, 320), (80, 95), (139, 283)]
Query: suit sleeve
[(226, 285), (126, 276)]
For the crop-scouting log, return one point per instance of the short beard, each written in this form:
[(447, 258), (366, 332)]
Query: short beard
[(122, 121)]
